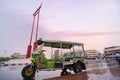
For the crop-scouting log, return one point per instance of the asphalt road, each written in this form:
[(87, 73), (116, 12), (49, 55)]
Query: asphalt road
[(97, 70)]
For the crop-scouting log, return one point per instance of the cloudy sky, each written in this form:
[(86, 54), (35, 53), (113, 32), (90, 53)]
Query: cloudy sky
[(96, 23)]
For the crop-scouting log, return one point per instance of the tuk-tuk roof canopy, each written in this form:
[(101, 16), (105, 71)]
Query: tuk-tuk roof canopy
[(58, 44)]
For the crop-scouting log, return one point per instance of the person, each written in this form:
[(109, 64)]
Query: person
[(117, 57)]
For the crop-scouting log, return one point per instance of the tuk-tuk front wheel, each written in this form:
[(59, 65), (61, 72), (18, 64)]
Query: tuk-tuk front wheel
[(64, 72), (28, 72)]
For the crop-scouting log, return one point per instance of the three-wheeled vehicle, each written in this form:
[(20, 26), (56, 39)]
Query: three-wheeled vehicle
[(72, 59)]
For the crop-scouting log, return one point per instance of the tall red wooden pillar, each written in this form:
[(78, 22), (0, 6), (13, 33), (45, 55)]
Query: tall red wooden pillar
[(28, 54)]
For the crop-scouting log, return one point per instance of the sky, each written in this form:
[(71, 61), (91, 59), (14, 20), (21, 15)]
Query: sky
[(96, 23)]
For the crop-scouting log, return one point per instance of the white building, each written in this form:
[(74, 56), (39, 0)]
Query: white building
[(18, 55), (15, 54), (91, 53)]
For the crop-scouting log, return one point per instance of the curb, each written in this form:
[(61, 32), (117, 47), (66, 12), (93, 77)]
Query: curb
[(15, 64)]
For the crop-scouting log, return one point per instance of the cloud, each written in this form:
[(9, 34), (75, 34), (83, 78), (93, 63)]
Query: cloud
[(59, 35)]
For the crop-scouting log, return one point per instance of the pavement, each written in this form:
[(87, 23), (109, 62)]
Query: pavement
[(98, 70)]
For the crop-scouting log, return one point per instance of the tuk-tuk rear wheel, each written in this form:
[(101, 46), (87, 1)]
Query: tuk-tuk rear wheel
[(77, 68)]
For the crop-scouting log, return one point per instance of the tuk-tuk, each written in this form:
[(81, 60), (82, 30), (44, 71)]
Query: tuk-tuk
[(72, 60)]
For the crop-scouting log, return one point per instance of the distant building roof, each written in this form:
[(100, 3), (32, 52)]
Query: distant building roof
[(112, 47)]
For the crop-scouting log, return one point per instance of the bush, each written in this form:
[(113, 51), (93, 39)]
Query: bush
[(4, 59)]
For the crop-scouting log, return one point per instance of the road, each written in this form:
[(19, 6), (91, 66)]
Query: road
[(97, 70)]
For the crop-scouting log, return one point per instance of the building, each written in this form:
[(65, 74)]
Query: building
[(91, 53), (17, 55), (22, 56), (110, 51)]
